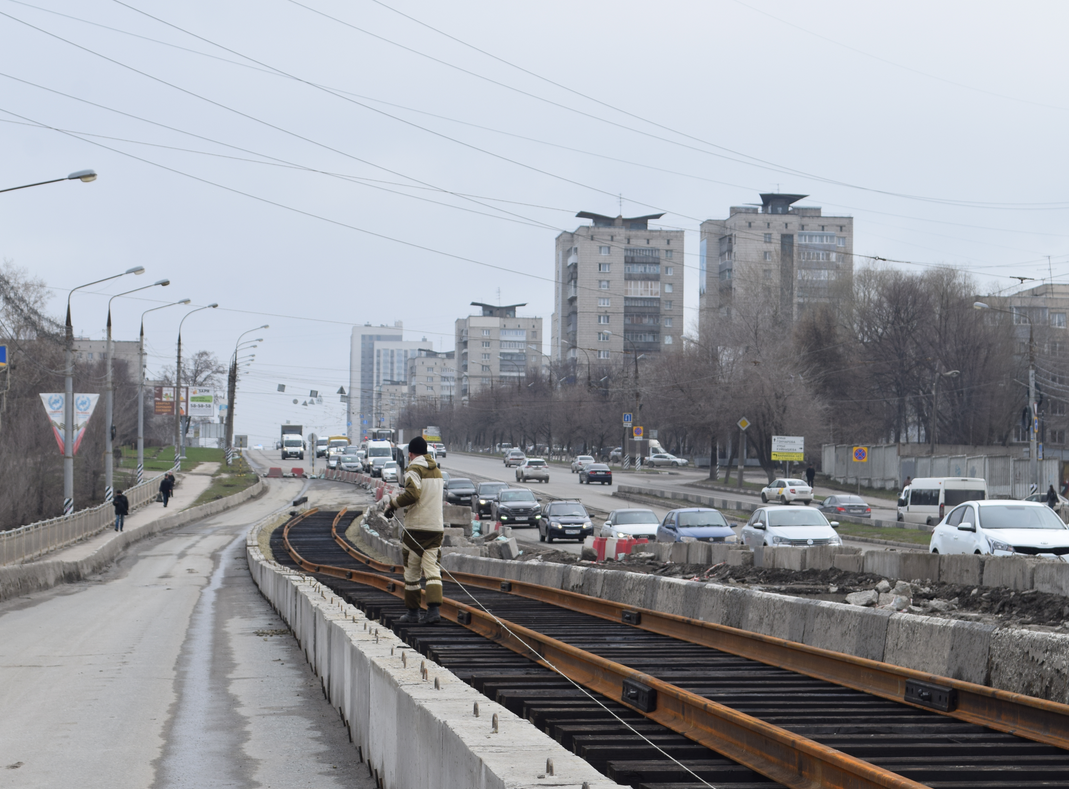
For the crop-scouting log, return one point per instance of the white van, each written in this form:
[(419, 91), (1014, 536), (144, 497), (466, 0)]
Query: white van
[(927, 499)]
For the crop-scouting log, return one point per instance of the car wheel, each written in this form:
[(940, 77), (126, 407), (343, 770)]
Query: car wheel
[(927, 521), (807, 502), (783, 500), (764, 498), (549, 537), (674, 464), (935, 551), (900, 518)]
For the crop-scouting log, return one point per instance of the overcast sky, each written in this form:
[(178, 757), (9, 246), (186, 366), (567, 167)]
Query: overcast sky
[(316, 164)]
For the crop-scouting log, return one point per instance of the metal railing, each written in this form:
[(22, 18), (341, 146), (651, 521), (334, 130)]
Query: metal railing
[(37, 539)]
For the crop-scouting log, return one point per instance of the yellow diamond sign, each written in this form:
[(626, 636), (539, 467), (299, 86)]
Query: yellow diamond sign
[(743, 423)]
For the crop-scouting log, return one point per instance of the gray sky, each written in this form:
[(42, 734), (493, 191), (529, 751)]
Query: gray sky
[(319, 164)]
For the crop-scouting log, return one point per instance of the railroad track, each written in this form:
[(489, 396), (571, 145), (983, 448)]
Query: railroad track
[(673, 702)]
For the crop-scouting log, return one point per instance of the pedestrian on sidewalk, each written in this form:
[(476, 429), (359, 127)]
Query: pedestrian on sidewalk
[(167, 488), (1052, 498), (424, 529), (810, 475), (122, 509)]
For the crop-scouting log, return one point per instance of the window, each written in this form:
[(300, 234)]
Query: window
[(819, 238), (486, 332), (604, 250), (603, 302), (641, 288), (668, 253), (668, 339), (603, 336), (642, 268), (668, 304), (514, 334), (768, 256), (668, 287), (768, 273), (603, 284), (430, 379), (1057, 408), (603, 354), (603, 319), (668, 322), (1056, 436), (669, 271), (486, 343), (604, 268), (486, 357), (1057, 319), (768, 238), (486, 369), (840, 241)]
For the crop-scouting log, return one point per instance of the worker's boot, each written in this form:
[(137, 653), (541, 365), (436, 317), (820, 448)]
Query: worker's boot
[(432, 616), (410, 618)]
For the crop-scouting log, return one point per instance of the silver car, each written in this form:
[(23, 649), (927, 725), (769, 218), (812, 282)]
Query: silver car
[(533, 468), (580, 461), (391, 472), (664, 459)]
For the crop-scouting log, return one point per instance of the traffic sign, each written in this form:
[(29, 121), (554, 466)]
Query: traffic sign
[(788, 448), (3, 359), (860, 454), (743, 423), (636, 432), (627, 420)]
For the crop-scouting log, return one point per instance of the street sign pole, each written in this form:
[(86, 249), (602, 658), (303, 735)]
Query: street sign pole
[(743, 424)]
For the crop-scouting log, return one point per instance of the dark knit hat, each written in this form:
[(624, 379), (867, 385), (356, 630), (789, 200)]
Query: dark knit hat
[(417, 446)]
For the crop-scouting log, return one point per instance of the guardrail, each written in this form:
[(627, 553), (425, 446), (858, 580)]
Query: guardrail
[(36, 539)]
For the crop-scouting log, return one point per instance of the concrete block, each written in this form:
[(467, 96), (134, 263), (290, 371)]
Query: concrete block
[(699, 553), (848, 562), (742, 557), (919, 567), (776, 615), (848, 629), (1031, 662), (673, 596), (822, 557), (626, 588), (510, 550), (679, 553), (1052, 578), (592, 581), (456, 515), (573, 578), (786, 558), (722, 605), (718, 551), (883, 563), (963, 569), (947, 647), (544, 574), (662, 550), (1012, 572)]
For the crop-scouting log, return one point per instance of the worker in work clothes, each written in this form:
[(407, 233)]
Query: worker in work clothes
[(421, 544), (122, 509)]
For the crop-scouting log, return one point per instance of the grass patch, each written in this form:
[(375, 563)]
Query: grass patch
[(228, 481), (905, 536), (162, 458)]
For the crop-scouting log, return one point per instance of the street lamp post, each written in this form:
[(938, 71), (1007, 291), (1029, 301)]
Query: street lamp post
[(935, 402), (85, 176), (178, 391), (68, 396), (231, 393), (1033, 428), (635, 354), (109, 425), (141, 391)]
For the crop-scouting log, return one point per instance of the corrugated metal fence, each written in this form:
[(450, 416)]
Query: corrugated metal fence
[(36, 539)]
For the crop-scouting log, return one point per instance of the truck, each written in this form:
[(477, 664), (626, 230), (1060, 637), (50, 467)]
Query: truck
[(292, 442), (321, 446), (336, 445)]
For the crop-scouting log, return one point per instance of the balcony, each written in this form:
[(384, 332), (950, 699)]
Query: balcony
[(573, 290)]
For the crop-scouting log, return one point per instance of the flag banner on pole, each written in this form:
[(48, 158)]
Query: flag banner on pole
[(84, 404)]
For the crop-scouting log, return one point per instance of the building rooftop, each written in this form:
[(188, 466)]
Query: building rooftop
[(629, 222), (498, 311)]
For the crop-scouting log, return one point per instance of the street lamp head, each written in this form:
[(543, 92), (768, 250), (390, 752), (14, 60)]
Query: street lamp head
[(85, 176), (979, 305), (184, 301), (213, 306), (135, 270), (952, 373), (164, 282)]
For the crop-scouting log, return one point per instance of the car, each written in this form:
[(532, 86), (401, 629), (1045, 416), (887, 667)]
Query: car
[(1002, 528), (439, 450), (787, 490), (846, 504), (617, 455), (533, 468), (659, 459), (580, 461), (482, 503), (391, 471), (782, 524), (1062, 507), (595, 472), (702, 524), (514, 457), (631, 523), (348, 462), (564, 520), (377, 463), (515, 506), (333, 461), (459, 491)]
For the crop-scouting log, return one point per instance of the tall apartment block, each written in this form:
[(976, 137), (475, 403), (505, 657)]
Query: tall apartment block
[(378, 356), (496, 348), (618, 288), (432, 378), (792, 254)]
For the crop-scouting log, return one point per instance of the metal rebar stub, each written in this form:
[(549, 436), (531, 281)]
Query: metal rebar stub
[(493, 724), (549, 767), (475, 711)]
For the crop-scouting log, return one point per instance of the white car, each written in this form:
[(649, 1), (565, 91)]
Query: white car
[(391, 472), (580, 461), (783, 525), (631, 523), (664, 459), (787, 490), (1002, 528)]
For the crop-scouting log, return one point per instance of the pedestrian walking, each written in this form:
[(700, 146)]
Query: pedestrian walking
[(167, 488), (810, 475), (122, 509), (424, 528), (1052, 498)]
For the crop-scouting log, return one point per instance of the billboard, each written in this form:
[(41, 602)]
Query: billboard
[(200, 401), (163, 400), (788, 448), (83, 409)]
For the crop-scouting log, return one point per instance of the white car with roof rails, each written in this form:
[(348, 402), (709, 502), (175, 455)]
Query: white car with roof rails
[(1002, 527), (783, 525)]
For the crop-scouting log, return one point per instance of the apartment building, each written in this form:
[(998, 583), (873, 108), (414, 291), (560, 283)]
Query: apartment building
[(378, 356), (618, 289), (432, 377), (496, 348)]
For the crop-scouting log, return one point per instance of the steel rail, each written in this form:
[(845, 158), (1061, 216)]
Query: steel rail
[(776, 753)]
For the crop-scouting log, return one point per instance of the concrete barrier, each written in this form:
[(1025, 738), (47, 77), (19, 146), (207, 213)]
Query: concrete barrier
[(1031, 662), (414, 732), (1052, 578), (947, 647), (1010, 571), (963, 569)]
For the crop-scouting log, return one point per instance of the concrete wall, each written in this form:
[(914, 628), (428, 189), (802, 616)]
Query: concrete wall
[(1022, 661), (415, 731)]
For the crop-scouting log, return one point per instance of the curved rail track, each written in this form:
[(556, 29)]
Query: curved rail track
[(675, 702)]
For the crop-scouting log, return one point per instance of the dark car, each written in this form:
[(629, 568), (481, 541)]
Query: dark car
[(566, 520), (595, 472), (482, 503), (376, 465), (846, 504), (698, 523), (459, 491), (515, 506)]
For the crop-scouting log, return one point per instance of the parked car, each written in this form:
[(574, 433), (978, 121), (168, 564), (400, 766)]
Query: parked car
[(659, 459), (1002, 528), (846, 504), (391, 471), (486, 493), (617, 455), (533, 468), (786, 525), (631, 523), (439, 450), (787, 490), (565, 520), (580, 461), (595, 472), (698, 523), (928, 499), (515, 506), (1062, 507), (459, 491), (514, 457)]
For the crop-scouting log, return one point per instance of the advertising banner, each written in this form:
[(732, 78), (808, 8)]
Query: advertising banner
[(83, 409), (163, 400), (201, 402)]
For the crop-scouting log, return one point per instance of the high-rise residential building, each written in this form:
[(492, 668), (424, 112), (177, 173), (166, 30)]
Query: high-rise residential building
[(618, 288), (432, 378), (496, 348), (378, 356), (121, 350), (792, 254)]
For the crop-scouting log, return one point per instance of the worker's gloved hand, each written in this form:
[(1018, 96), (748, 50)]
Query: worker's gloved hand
[(388, 512)]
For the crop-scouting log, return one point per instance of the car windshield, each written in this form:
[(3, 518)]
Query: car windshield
[(515, 495), (379, 452), (706, 518), (1017, 516), (379, 461), (635, 516), (793, 517), (536, 462), (584, 458), (565, 510), (390, 464), (461, 484), (490, 488)]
